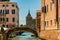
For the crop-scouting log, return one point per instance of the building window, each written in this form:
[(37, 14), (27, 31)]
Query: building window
[(3, 25), (6, 5), (7, 19), (3, 5), (6, 11), (0, 19), (7, 26), (13, 11), (13, 5), (51, 22), (3, 12), (44, 9), (16, 7), (13, 19), (3, 19), (0, 11)]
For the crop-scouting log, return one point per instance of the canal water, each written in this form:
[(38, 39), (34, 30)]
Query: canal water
[(25, 36)]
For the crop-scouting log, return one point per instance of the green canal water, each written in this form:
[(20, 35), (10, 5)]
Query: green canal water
[(17, 38), (25, 36)]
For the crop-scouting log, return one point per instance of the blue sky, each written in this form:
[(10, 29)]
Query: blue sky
[(24, 6)]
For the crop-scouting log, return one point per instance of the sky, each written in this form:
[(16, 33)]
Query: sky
[(24, 6)]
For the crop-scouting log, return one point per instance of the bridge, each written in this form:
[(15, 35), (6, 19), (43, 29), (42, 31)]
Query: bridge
[(17, 30)]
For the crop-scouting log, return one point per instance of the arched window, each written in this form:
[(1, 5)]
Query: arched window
[(51, 22)]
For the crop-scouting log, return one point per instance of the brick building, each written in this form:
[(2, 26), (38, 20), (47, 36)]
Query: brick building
[(9, 14), (50, 20), (34, 23), (30, 22), (38, 22), (29, 19)]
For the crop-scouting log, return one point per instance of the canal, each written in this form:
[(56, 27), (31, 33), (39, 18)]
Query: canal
[(25, 36)]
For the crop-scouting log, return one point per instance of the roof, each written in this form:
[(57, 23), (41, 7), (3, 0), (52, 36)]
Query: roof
[(29, 13)]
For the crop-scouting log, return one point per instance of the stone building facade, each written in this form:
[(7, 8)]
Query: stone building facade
[(9, 14), (50, 20)]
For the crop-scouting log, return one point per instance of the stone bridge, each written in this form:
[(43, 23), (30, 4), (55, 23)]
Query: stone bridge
[(6, 34)]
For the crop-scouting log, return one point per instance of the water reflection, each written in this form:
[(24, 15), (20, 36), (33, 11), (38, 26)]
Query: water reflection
[(25, 36)]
